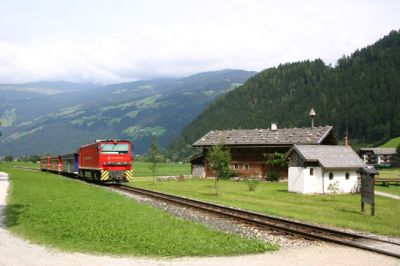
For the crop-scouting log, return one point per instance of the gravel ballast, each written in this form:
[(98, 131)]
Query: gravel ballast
[(222, 223)]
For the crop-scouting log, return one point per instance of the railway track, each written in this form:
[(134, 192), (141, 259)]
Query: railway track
[(278, 224)]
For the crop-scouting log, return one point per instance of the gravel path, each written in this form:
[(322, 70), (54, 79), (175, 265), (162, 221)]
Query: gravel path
[(388, 195), (16, 251)]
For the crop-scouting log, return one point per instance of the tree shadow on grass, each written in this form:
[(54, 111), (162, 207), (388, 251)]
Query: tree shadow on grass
[(349, 211), (208, 194), (10, 214), (283, 190)]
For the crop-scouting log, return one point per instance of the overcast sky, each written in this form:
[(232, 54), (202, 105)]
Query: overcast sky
[(115, 40)]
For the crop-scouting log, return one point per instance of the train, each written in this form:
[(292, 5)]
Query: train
[(105, 161)]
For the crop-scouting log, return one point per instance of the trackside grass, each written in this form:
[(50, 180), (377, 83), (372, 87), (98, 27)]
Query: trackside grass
[(64, 213), (273, 198)]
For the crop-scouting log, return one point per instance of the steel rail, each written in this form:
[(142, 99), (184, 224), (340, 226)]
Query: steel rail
[(304, 230)]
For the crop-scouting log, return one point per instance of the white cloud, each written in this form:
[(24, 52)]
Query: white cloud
[(99, 42)]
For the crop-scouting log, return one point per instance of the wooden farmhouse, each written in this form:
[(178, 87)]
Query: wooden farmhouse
[(320, 168), (249, 146)]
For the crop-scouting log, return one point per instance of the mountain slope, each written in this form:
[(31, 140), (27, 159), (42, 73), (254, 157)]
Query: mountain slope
[(361, 94), (60, 122)]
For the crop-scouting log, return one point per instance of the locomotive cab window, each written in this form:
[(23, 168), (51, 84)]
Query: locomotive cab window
[(110, 148)]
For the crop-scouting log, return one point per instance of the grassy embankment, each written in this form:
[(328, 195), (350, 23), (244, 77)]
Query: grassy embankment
[(70, 215), (273, 198), (393, 143)]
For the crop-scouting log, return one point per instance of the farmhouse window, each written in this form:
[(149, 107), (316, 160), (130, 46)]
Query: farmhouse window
[(347, 175), (235, 166), (246, 166), (311, 171), (330, 176)]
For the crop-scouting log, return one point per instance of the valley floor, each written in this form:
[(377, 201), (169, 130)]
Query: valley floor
[(16, 251)]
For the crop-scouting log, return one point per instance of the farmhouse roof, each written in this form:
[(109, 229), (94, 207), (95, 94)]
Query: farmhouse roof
[(265, 137), (380, 151), (329, 156)]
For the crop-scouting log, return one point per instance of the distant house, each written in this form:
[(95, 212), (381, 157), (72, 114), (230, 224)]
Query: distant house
[(312, 168), (380, 156), (249, 146)]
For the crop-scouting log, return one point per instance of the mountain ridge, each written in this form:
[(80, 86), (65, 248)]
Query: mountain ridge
[(61, 122)]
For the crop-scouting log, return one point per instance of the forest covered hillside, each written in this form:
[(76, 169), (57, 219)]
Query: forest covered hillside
[(361, 93)]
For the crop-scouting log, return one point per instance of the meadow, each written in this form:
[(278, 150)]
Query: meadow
[(389, 173), (72, 215), (274, 199), (392, 143), (142, 169)]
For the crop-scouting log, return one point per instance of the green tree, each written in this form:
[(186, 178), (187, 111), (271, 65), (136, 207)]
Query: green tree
[(219, 158), (9, 158), (153, 156), (398, 155), (275, 160)]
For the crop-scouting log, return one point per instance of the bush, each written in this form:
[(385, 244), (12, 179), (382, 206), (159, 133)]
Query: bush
[(252, 183), (273, 176), (234, 173)]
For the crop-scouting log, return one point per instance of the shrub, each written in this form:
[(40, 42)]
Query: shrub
[(234, 173), (252, 183), (333, 187), (273, 176)]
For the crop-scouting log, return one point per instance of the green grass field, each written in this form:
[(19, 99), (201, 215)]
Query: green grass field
[(392, 189), (71, 215), (393, 143), (389, 173), (142, 169), (273, 198)]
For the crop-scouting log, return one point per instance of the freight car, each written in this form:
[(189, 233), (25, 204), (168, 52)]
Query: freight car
[(103, 161)]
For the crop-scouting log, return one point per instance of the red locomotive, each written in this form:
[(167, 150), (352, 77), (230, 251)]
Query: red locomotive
[(106, 160), (103, 161)]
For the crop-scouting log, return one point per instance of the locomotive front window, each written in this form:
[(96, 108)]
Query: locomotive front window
[(114, 148)]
